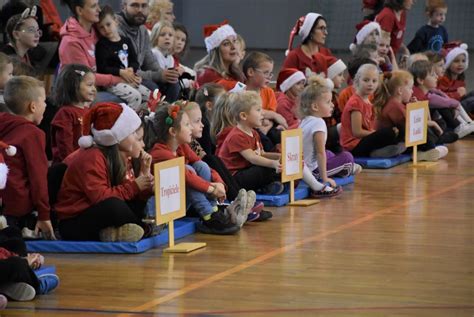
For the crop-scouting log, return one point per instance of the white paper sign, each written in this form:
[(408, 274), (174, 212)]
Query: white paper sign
[(417, 125), (292, 155), (169, 190)]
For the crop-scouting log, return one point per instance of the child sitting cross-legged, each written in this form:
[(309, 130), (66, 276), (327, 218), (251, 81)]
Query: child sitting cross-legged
[(204, 186)]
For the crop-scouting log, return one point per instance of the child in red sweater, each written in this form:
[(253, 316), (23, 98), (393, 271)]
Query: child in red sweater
[(75, 91), (27, 189), (204, 186), (100, 197), (290, 84)]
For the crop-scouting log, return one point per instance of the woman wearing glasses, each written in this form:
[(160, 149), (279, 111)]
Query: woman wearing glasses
[(313, 31)]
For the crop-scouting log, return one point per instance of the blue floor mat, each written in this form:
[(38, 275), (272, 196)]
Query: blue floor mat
[(370, 162), (182, 227), (301, 192), (47, 269)]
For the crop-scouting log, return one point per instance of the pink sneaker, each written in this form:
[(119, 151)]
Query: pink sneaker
[(258, 207)]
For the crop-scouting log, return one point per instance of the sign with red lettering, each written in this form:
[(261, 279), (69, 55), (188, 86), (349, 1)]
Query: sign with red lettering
[(170, 190), (416, 123), (291, 155)]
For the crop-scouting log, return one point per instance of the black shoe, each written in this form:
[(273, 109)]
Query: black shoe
[(447, 138), (218, 224), (264, 215)]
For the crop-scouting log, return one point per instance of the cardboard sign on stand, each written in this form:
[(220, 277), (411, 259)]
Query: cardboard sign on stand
[(170, 200), (292, 163), (416, 125)]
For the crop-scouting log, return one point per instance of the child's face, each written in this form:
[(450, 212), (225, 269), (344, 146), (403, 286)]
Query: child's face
[(262, 75), (254, 117), (166, 39), (368, 82), (6, 74), (29, 33), (373, 38), (407, 4), (431, 80), (179, 41), (185, 134), (297, 88), (228, 50), (39, 106), (87, 89), (407, 91), (108, 27), (439, 68), (195, 117), (458, 65), (384, 46), (323, 106), (438, 16), (338, 80), (133, 144)]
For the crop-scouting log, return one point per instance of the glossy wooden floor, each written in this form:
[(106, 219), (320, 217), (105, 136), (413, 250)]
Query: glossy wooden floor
[(397, 243)]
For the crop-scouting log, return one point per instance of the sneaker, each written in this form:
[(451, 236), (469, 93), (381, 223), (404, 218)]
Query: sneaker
[(220, 223), (448, 137), (389, 151), (430, 156), (274, 188), (258, 207), (264, 215), (48, 283), (443, 151), (18, 291), (323, 193), (464, 129), (251, 200), (129, 232), (29, 234), (253, 216), (3, 222), (356, 169), (3, 302), (151, 230)]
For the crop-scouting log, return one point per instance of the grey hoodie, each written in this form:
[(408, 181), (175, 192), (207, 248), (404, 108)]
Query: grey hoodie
[(149, 67)]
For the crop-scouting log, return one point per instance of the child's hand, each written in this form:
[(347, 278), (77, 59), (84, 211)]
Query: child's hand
[(128, 75), (35, 260), (396, 131), (461, 91), (280, 127), (219, 190), (281, 120), (330, 181), (46, 228), (145, 163), (277, 166), (170, 76), (435, 126), (144, 182)]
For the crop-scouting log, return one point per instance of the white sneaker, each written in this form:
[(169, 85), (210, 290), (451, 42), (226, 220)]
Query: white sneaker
[(30, 234), (443, 151), (18, 291), (464, 129), (3, 222), (356, 169), (430, 156)]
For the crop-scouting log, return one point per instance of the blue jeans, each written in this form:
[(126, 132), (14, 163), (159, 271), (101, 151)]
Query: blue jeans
[(103, 96), (194, 198)]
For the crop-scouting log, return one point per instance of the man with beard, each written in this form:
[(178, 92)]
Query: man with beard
[(131, 24)]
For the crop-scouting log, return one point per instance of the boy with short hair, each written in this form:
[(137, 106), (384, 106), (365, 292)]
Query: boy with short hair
[(27, 189)]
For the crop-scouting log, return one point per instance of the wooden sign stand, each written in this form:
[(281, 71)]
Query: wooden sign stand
[(170, 201), (292, 163), (416, 127)]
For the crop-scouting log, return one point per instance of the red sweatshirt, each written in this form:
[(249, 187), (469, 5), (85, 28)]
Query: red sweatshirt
[(66, 129), (27, 186), (287, 108), (161, 152), (299, 60), (450, 86), (86, 183)]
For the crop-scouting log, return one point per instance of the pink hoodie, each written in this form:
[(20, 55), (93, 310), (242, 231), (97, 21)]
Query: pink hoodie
[(78, 47)]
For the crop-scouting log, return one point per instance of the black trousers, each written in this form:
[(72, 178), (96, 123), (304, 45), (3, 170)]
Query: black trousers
[(16, 269), (11, 239), (216, 163), (112, 212), (376, 140), (448, 117), (256, 177)]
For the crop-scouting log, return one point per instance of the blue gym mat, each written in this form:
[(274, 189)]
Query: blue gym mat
[(182, 227), (370, 162), (47, 269), (301, 192)]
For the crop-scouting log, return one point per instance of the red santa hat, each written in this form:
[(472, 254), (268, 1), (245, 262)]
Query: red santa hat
[(303, 28), (336, 66), (288, 77), (9, 150), (214, 34), (107, 124), (453, 50), (364, 29)]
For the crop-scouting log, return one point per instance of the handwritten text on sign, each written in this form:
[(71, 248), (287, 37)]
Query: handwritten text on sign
[(417, 125), (169, 190), (292, 155)]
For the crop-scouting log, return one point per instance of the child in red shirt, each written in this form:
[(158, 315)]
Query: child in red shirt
[(27, 189), (75, 91), (358, 134), (101, 198), (242, 151), (204, 186), (290, 84)]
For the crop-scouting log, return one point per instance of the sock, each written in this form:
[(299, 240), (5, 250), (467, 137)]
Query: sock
[(309, 179), (463, 115)]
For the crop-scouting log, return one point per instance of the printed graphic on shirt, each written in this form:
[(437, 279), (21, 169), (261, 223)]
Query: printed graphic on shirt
[(435, 43), (123, 55)]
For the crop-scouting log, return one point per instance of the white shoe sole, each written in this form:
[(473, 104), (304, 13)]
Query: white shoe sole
[(18, 291)]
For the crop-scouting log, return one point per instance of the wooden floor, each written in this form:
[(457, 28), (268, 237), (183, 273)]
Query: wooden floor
[(397, 243)]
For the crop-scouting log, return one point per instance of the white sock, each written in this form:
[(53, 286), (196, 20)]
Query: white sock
[(463, 116), (312, 182)]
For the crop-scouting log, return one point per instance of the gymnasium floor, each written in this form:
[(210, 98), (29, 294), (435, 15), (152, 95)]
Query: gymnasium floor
[(397, 243)]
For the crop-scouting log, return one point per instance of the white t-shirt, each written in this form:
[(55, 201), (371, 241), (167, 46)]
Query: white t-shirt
[(310, 125), (164, 61)]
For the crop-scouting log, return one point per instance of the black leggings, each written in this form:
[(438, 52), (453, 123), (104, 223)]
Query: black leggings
[(15, 270), (112, 212), (256, 177), (11, 239), (448, 117), (376, 140), (215, 163)]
